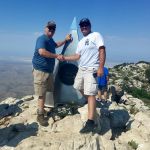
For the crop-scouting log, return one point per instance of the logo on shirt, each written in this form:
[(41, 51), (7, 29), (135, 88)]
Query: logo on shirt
[(87, 42)]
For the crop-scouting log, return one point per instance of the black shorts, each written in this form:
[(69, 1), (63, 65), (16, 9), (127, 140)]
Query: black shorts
[(102, 88)]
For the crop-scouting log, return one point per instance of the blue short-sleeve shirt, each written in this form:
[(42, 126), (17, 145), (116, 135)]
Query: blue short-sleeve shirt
[(42, 63), (102, 81)]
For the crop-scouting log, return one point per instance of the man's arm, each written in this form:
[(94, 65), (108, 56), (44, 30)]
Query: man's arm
[(68, 58), (43, 52), (60, 43), (102, 57), (72, 57), (107, 78)]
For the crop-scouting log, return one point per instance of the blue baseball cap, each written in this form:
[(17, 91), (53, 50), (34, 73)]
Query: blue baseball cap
[(51, 24), (85, 21)]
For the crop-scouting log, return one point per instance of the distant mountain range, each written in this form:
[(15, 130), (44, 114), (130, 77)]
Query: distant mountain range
[(16, 78)]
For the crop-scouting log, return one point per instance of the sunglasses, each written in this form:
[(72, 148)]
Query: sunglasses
[(51, 29), (84, 25)]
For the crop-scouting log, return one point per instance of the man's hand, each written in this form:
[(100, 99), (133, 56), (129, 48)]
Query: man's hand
[(68, 38), (60, 57), (100, 71)]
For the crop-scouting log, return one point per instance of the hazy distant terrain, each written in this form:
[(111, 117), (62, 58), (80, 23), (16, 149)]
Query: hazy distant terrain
[(15, 79)]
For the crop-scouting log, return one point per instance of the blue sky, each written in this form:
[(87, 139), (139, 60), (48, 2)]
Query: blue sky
[(124, 24)]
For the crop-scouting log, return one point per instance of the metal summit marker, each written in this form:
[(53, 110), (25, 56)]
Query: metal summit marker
[(64, 74)]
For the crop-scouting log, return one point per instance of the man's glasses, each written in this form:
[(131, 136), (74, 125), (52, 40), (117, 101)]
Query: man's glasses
[(51, 29), (84, 25)]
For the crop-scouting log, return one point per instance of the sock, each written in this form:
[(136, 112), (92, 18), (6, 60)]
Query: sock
[(40, 111), (90, 121)]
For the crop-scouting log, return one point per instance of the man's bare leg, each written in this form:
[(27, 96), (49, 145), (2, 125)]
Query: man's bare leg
[(105, 95), (41, 102), (40, 112), (91, 107), (90, 126), (86, 97), (99, 95)]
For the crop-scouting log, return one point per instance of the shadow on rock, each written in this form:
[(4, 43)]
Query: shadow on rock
[(14, 134), (115, 120), (119, 120), (103, 104), (9, 110), (61, 111)]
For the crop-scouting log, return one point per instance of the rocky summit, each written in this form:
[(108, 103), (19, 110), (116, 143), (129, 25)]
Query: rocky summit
[(118, 126), (132, 75)]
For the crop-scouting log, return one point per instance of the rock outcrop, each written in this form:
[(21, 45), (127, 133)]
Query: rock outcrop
[(131, 75), (119, 127)]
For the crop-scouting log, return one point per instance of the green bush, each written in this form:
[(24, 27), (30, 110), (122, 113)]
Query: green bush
[(136, 92), (130, 74), (133, 110), (137, 78), (147, 74), (139, 93), (126, 78), (133, 144)]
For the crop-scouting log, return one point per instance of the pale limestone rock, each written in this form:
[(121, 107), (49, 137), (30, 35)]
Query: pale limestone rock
[(23, 132), (9, 100), (104, 144), (71, 124), (83, 112), (143, 123), (28, 98), (141, 65), (144, 146)]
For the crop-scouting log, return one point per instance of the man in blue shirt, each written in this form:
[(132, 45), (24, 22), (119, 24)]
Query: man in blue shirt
[(102, 85), (43, 64)]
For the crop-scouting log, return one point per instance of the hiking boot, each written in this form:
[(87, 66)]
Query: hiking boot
[(106, 101), (98, 99), (41, 119), (43, 112), (89, 127)]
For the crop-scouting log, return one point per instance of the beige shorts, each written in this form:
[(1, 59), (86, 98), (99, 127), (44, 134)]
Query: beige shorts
[(43, 82), (86, 82)]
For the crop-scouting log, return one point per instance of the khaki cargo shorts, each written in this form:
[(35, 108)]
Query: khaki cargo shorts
[(86, 82), (43, 82)]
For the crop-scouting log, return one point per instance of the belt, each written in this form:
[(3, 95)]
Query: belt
[(87, 68)]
